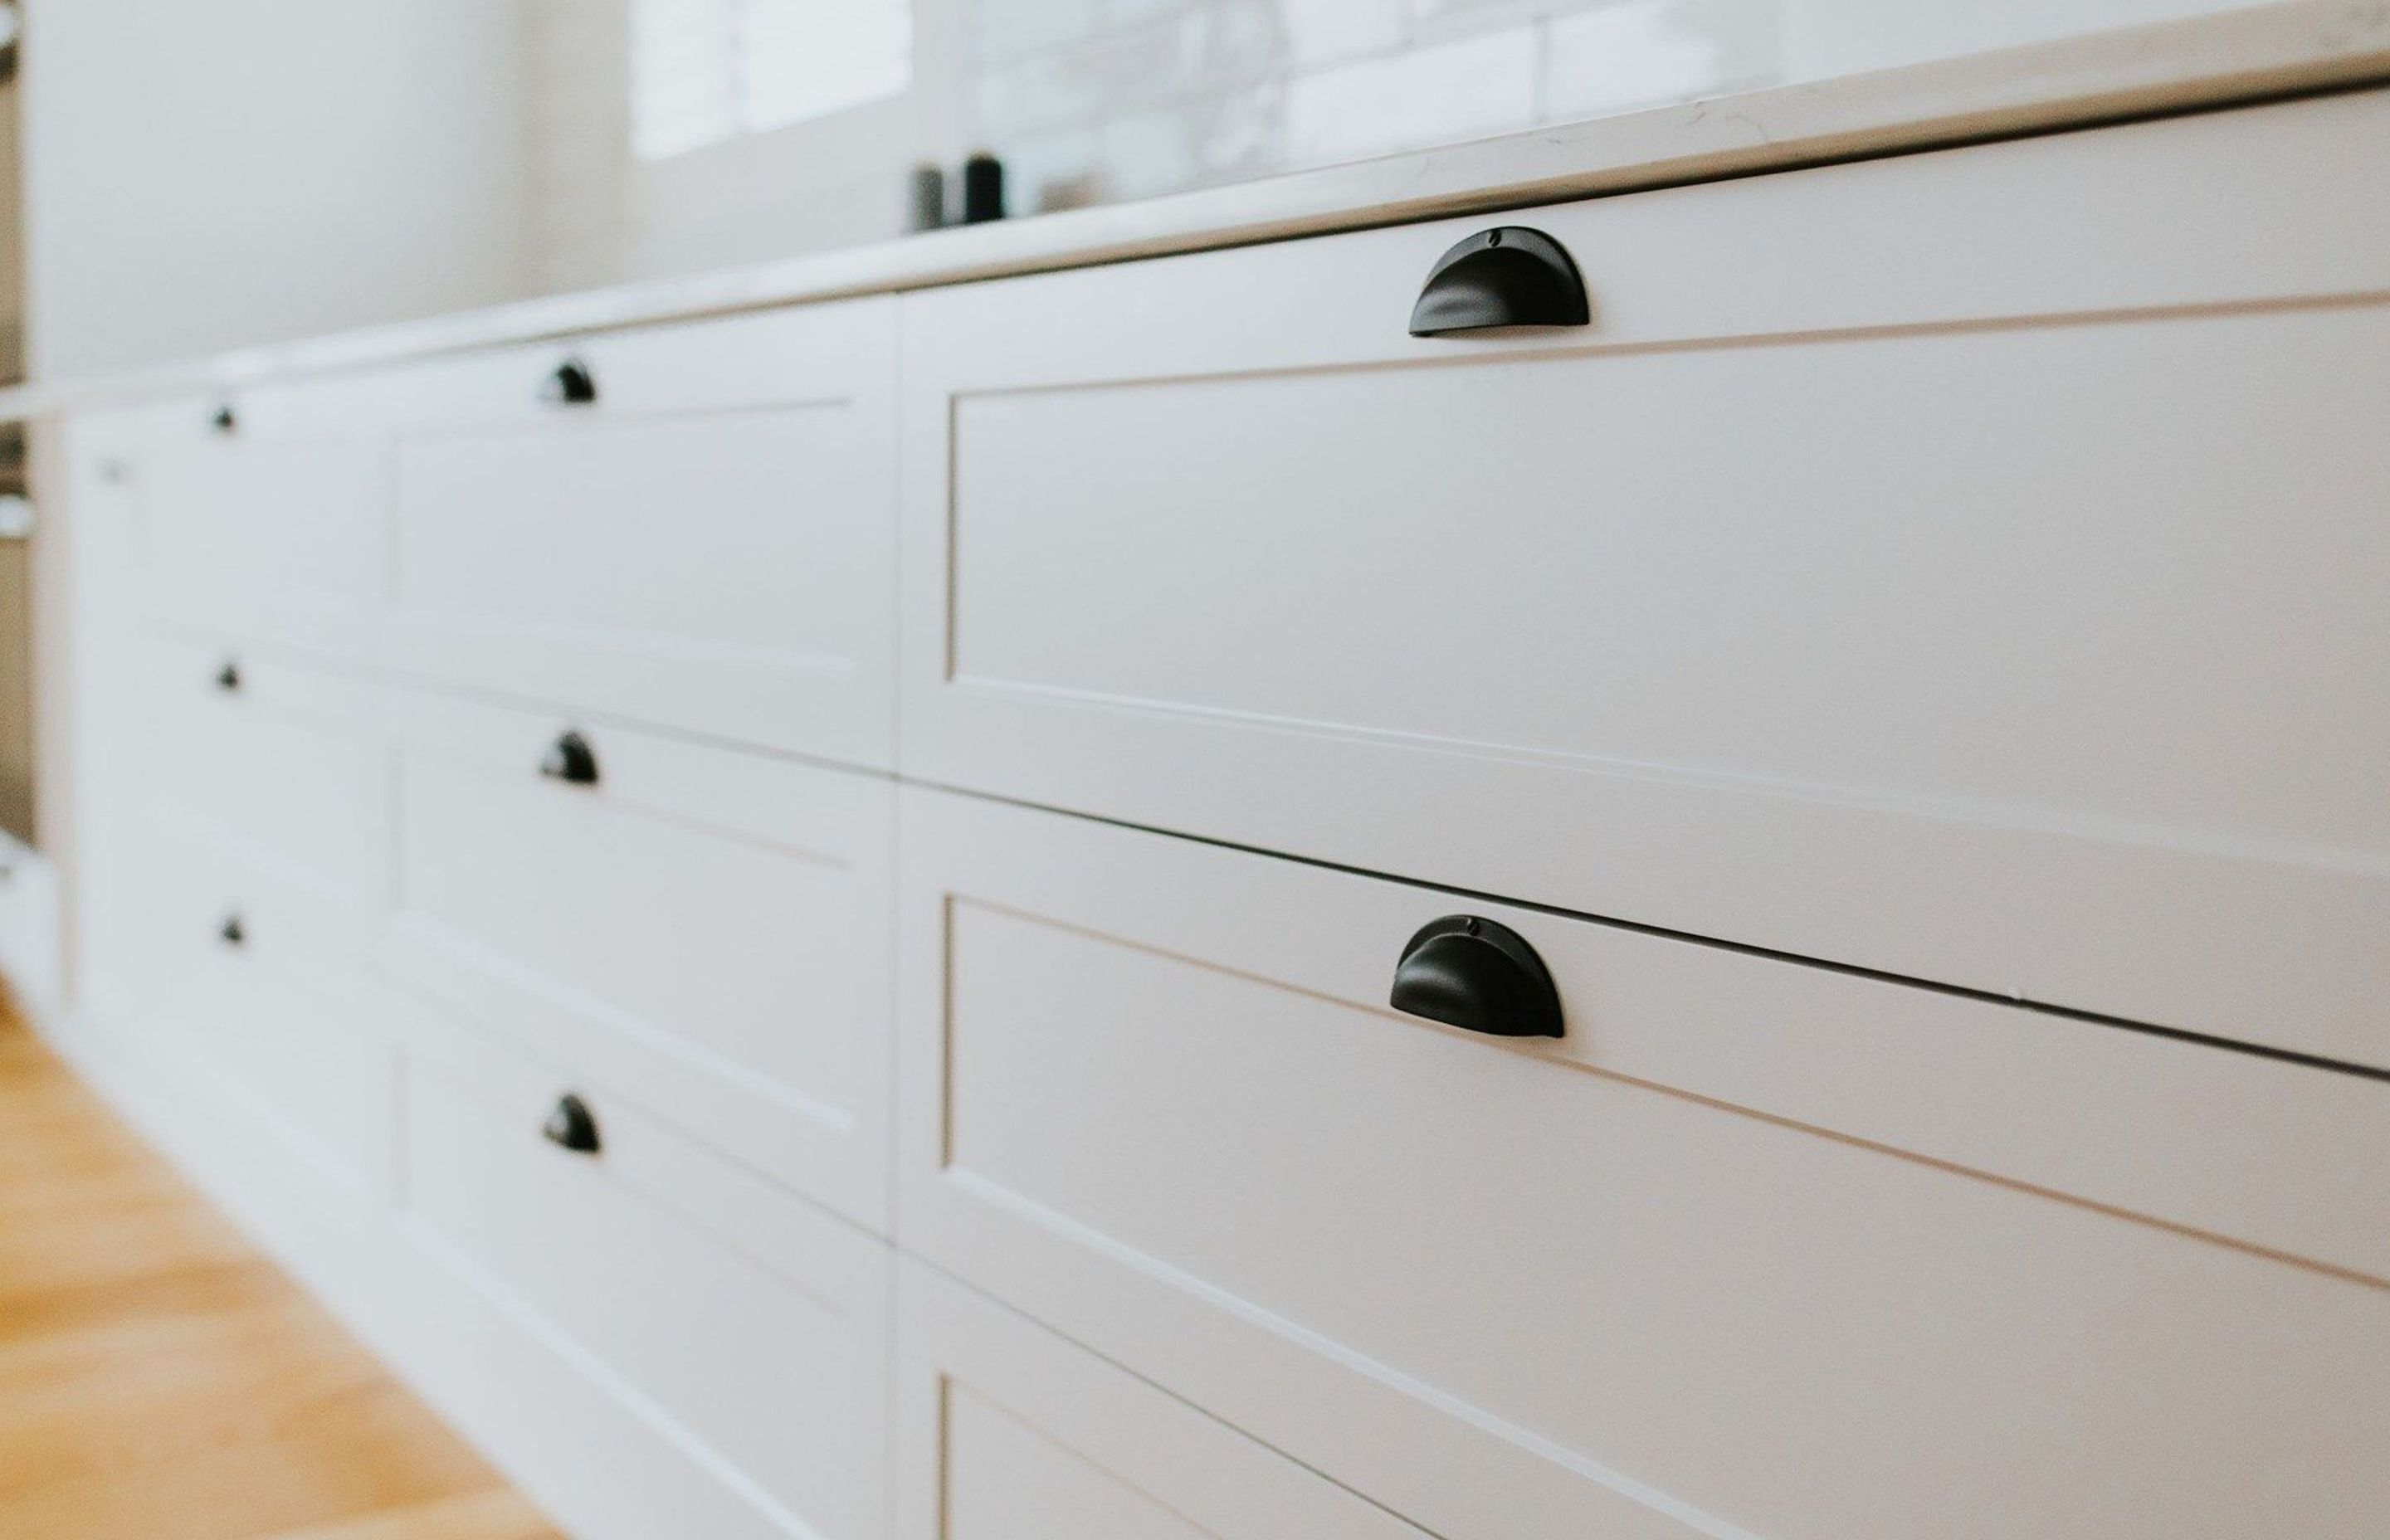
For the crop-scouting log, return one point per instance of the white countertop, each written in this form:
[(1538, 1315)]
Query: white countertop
[(2297, 47)]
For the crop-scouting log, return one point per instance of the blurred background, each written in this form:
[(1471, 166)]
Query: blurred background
[(204, 174)]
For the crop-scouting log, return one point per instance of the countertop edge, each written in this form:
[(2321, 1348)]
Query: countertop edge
[(2238, 57)]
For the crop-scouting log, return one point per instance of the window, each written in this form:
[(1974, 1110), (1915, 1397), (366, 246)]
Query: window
[(706, 70)]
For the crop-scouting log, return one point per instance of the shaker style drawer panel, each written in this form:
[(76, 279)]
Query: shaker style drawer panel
[(287, 759), (706, 931), (269, 527), (1965, 565), (1753, 1248), (738, 362), (739, 1321), (246, 994), (665, 554), (1006, 1431)]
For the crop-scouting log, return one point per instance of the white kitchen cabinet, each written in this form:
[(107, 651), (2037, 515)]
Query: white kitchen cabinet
[(1006, 1432), (278, 755), (1959, 566), (259, 997), (264, 515), (739, 1322), (96, 758), (706, 929), (939, 914), (704, 546), (1754, 1247)]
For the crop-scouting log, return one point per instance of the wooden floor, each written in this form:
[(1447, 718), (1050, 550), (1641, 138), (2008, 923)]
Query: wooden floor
[(160, 1381)]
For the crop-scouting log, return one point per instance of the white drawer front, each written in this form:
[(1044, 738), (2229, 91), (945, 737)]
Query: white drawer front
[(96, 660), (287, 759), (245, 991), (1966, 567), (1006, 1431), (1756, 1248), (734, 1317), (273, 530), (705, 930), (663, 555)]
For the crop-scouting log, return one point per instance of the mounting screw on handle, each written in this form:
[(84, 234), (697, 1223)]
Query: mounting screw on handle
[(571, 384), (1507, 276), (228, 677), (1478, 976), (570, 760), (571, 1125), (232, 932)]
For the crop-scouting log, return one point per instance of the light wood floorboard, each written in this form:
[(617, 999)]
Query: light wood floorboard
[(160, 1380)]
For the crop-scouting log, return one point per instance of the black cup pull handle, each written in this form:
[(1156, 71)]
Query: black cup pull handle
[(232, 932), (571, 1125), (228, 677), (572, 761), (571, 384), (1508, 276), (1478, 975)]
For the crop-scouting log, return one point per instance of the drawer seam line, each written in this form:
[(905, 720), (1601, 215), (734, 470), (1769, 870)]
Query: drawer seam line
[(1856, 970)]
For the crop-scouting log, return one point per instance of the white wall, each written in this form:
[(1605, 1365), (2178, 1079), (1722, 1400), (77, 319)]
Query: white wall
[(204, 175)]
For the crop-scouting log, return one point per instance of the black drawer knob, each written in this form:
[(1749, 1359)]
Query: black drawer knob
[(228, 677), (232, 932), (226, 420), (1477, 975), (571, 384), (1510, 277), (571, 1125), (570, 760)]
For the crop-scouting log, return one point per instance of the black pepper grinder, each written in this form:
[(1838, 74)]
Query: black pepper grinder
[(983, 189)]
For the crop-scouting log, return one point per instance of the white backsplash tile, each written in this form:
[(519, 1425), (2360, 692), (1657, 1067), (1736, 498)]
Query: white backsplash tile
[(1150, 153), (1331, 32), (1231, 42), (1052, 171), (1178, 94), (1436, 20), (1437, 94), (1648, 52), (1240, 136), (1005, 29), (1033, 95)]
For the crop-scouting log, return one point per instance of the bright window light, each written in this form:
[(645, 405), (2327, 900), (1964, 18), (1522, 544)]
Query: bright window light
[(706, 70)]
